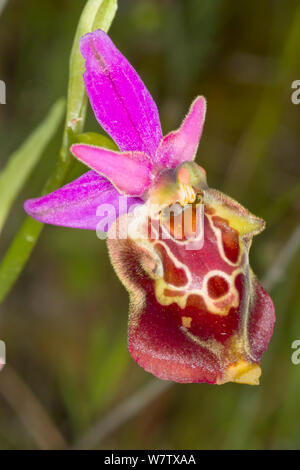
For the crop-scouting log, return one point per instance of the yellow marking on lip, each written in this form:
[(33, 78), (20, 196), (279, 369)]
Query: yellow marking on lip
[(242, 372), (237, 216), (181, 299), (160, 286), (186, 321)]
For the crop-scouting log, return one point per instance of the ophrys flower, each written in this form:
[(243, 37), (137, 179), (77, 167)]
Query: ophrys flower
[(197, 312)]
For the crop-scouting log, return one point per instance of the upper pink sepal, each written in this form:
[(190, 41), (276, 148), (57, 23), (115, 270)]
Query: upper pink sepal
[(181, 145), (129, 172), (121, 102)]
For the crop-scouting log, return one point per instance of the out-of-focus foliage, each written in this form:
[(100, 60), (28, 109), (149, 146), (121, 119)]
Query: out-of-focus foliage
[(65, 321), (22, 162)]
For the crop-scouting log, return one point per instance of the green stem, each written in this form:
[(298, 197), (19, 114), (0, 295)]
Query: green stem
[(22, 245), (96, 14)]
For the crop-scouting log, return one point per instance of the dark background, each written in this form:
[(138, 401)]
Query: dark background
[(65, 322)]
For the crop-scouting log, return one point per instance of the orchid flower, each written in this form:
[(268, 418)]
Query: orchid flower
[(197, 311)]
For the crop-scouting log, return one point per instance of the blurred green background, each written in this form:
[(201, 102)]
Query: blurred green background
[(65, 321)]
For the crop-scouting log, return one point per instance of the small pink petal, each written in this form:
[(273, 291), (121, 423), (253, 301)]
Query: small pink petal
[(129, 172), (121, 102), (181, 145)]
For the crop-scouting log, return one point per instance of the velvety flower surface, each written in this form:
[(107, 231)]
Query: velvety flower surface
[(197, 312)]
